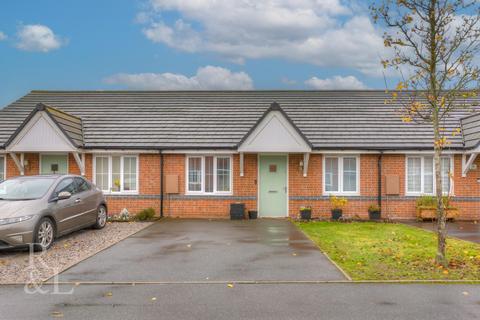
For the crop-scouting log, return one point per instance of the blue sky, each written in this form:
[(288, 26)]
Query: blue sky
[(167, 44)]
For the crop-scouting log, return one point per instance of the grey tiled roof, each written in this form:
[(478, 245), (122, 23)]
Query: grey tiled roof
[(220, 119), (69, 124)]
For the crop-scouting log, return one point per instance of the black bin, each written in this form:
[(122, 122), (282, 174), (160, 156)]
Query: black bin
[(252, 214), (237, 211)]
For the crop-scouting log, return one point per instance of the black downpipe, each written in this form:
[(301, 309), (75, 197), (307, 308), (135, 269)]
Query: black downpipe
[(161, 184), (380, 181)]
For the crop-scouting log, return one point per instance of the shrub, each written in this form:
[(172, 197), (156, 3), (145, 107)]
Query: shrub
[(373, 208), (431, 202), (338, 202), (146, 214)]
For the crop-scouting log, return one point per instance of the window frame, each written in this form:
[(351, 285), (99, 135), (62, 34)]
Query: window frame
[(340, 175), (3, 158), (202, 189), (122, 173), (422, 175)]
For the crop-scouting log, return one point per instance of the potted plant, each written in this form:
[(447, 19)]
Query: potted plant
[(116, 185), (337, 203), (374, 212), (427, 208), (305, 213)]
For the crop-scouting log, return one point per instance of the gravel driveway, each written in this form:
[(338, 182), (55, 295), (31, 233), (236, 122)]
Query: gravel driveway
[(21, 267)]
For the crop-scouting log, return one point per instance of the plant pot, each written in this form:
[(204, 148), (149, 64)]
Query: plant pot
[(374, 215), (252, 214), (430, 213), (237, 211), (336, 214), (306, 214)]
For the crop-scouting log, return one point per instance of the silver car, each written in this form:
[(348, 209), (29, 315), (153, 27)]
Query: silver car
[(37, 209)]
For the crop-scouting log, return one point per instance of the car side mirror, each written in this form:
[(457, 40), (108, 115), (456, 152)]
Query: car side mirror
[(64, 195)]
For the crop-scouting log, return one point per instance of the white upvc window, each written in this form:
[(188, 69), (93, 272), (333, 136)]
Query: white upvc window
[(3, 167), (341, 175), (208, 174), (116, 173), (420, 175)]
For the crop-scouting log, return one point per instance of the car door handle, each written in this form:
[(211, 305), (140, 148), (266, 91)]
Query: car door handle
[(78, 200)]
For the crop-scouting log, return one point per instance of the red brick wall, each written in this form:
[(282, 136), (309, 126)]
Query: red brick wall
[(179, 205), (303, 191), (395, 207)]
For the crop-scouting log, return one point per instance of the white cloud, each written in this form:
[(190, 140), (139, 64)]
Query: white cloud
[(206, 78), (3, 36), (324, 33), (336, 83), (36, 37)]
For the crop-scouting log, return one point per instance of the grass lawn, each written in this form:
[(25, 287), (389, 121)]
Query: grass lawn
[(386, 251)]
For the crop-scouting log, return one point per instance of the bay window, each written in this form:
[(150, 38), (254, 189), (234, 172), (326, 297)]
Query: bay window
[(209, 174), (420, 174), (2, 167), (341, 175), (116, 173)]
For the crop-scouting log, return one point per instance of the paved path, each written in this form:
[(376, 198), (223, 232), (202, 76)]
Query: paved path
[(289, 301), (200, 250), (469, 231)]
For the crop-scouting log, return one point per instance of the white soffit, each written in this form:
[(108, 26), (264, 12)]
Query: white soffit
[(274, 134), (41, 134)]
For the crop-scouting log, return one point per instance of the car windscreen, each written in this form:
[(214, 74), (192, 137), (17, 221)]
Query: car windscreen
[(25, 189)]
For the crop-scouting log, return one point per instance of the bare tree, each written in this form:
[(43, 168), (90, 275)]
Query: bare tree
[(434, 45)]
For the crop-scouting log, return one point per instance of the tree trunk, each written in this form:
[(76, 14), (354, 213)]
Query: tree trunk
[(441, 258)]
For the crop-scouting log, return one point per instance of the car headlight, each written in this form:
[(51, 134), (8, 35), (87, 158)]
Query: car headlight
[(14, 220)]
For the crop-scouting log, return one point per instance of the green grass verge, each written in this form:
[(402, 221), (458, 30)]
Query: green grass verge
[(386, 251)]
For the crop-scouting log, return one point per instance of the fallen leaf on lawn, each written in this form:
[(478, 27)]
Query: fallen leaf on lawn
[(445, 271), (57, 314), (230, 285), (465, 293), (108, 294), (154, 299)]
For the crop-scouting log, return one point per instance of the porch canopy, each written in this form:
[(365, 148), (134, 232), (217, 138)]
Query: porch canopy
[(471, 139), (275, 132), (47, 130)]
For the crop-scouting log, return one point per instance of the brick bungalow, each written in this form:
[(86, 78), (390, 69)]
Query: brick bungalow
[(192, 154)]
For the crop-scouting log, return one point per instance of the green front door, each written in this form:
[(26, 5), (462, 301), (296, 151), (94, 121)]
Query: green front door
[(273, 186), (54, 164)]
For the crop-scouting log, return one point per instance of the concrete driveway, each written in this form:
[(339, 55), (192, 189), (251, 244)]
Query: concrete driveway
[(202, 250), (465, 230)]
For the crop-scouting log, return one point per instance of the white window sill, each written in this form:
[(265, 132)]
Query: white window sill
[(343, 194), (208, 194), (125, 193), (410, 194)]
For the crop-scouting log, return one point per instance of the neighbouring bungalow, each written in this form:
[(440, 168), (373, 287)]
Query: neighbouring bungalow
[(192, 154)]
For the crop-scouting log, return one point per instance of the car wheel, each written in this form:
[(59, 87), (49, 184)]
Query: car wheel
[(101, 217), (44, 234)]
